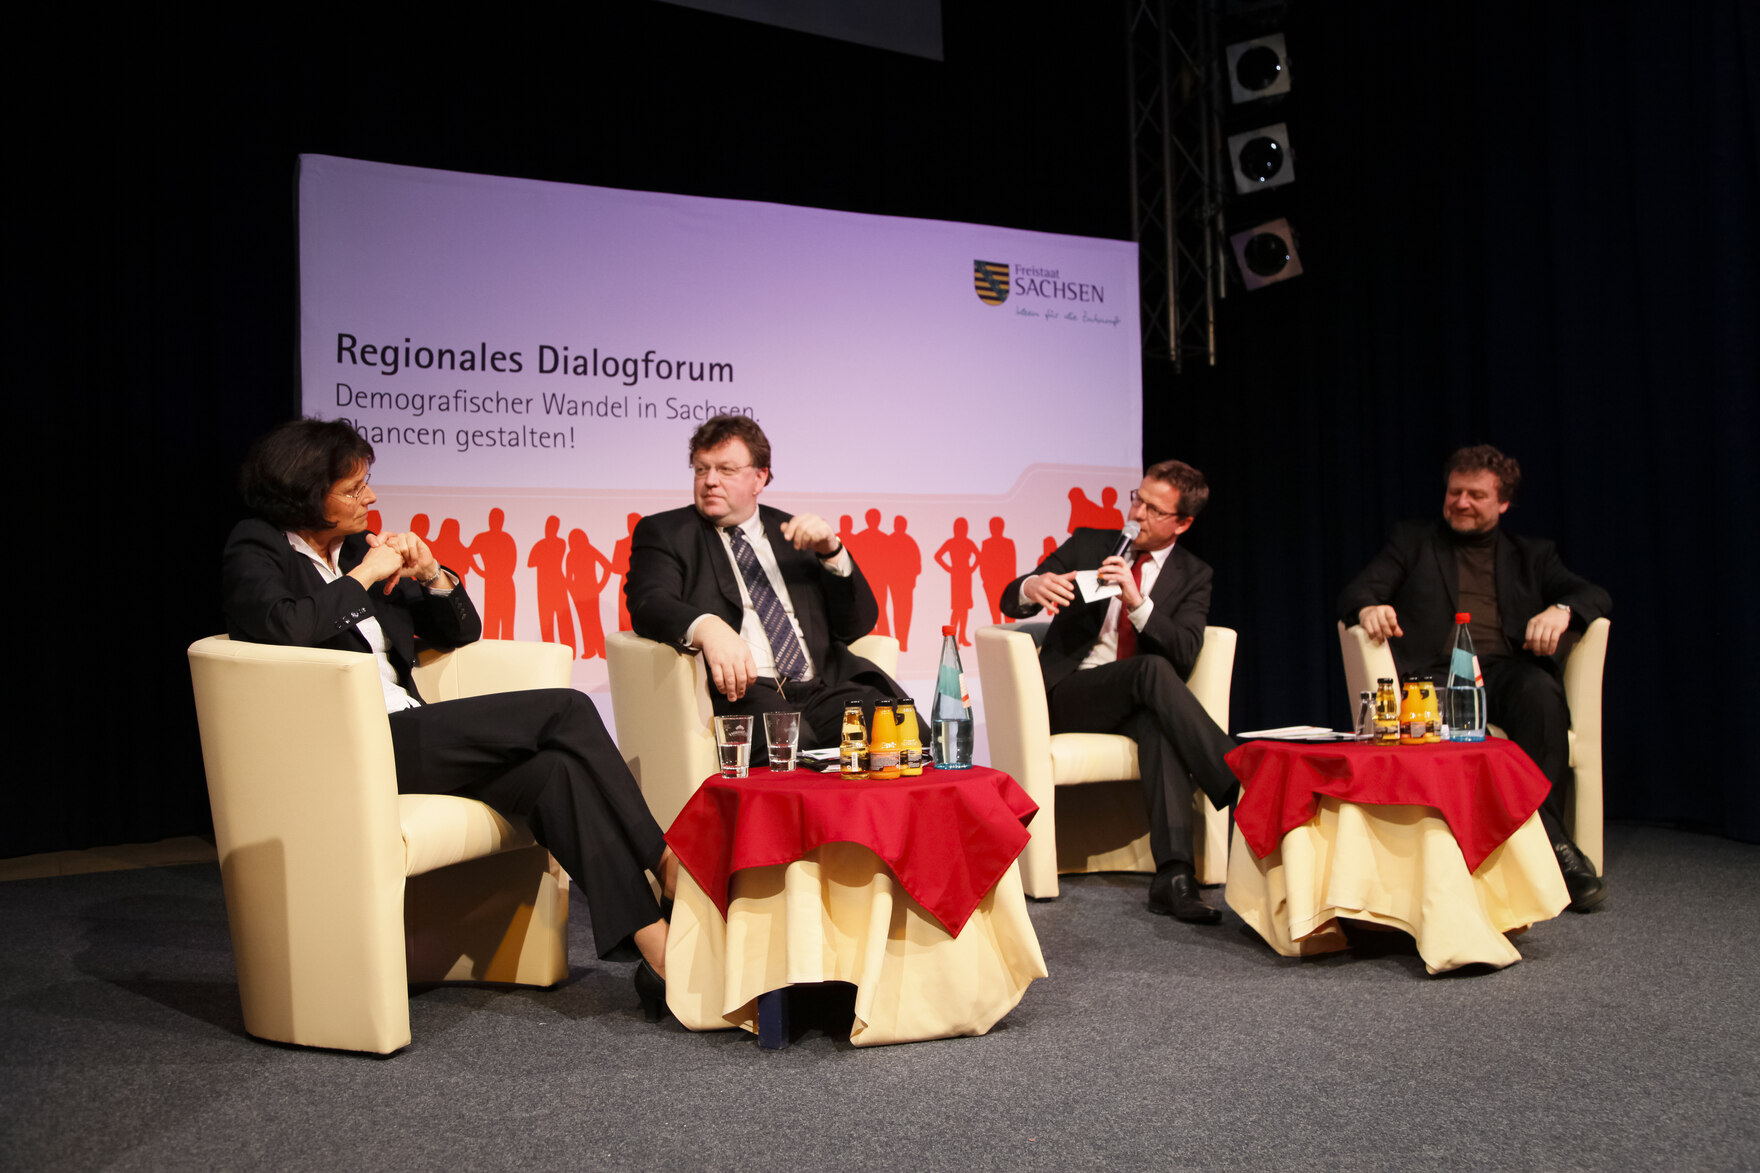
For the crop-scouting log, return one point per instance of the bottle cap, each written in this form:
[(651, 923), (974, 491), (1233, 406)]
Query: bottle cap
[(1384, 680), (1462, 617), (947, 630)]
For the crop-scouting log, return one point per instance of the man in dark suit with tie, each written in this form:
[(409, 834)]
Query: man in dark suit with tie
[(1119, 665), (771, 601), (1520, 600)]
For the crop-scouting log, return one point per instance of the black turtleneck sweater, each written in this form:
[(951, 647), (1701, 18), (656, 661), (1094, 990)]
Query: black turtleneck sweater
[(1475, 558)]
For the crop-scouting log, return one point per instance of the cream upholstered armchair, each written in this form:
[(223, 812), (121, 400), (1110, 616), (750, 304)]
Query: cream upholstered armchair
[(1585, 656), (660, 701), (340, 892), (1091, 815)]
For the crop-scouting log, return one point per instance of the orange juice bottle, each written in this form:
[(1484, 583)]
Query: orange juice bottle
[(910, 743), (1413, 722), (884, 750), (1432, 712)]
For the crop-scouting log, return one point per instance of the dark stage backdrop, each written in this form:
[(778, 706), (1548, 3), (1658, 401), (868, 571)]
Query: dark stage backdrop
[(1531, 225), (1527, 224)]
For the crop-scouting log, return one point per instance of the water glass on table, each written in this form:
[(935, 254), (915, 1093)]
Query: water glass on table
[(782, 733), (733, 741)]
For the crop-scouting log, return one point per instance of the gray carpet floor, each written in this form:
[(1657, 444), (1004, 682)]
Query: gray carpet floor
[(1625, 1040)]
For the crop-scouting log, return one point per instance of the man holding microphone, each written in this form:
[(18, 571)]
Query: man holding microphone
[(1118, 665)]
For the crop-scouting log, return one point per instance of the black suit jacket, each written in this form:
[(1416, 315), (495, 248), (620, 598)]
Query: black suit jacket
[(1181, 595), (1416, 573), (273, 594), (679, 569)]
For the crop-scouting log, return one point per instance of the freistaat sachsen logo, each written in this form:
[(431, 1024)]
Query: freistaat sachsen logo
[(990, 279)]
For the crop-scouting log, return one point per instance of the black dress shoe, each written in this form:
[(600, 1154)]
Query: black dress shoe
[(651, 989), (1586, 888), (1176, 894)]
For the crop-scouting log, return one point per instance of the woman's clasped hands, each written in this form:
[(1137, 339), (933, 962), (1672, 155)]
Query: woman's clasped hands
[(393, 557)]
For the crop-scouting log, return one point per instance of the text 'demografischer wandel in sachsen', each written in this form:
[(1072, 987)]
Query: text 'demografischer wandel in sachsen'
[(640, 386)]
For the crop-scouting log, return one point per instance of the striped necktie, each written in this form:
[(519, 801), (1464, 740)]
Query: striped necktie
[(785, 649)]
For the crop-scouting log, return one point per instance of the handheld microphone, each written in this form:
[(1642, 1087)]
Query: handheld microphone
[(1125, 538)]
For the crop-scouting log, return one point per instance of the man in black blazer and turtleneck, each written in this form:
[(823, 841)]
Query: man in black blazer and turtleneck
[(1521, 600), (1119, 665)]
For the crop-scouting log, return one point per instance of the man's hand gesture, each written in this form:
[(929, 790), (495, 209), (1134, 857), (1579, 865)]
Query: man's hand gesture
[(1050, 591), (1380, 623), (1545, 629), (727, 657)]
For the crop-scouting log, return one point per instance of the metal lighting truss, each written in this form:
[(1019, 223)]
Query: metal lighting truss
[(1176, 213)]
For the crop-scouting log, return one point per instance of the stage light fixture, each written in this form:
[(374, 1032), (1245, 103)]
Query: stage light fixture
[(1261, 158), (1258, 68), (1266, 254)]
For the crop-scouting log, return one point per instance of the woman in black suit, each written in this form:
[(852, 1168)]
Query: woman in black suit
[(307, 572)]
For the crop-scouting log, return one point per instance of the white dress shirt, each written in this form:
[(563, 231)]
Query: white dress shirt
[(1105, 649), (751, 627)]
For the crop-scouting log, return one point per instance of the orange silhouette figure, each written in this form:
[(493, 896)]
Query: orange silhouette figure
[(497, 557), (996, 567), (585, 583), (1048, 549), (907, 564), (450, 550), (1108, 515), (868, 548), (846, 526), (962, 558), (1083, 512), (418, 525), (375, 523), (620, 567), (546, 558)]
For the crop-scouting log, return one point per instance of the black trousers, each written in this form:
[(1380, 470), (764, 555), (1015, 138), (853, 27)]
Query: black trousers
[(1528, 703), (819, 703), (544, 755), (1144, 698)]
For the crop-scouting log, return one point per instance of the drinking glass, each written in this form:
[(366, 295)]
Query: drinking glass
[(733, 741), (782, 732)]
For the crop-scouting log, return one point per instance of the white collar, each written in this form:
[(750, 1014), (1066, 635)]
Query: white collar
[(752, 527), (326, 559), (1160, 556)]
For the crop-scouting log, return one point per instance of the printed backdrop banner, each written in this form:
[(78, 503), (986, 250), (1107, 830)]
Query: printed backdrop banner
[(529, 359)]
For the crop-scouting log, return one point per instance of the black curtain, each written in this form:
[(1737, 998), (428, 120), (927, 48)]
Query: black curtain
[(1527, 224), (1530, 225)]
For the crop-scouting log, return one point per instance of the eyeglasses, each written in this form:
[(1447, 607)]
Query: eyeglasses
[(356, 494), (724, 471), (1153, 513)]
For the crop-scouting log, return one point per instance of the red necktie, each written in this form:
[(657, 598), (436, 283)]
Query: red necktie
[(1127, 634)]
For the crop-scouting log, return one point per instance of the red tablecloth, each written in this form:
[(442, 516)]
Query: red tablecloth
[(1485, 790), (948, 835)]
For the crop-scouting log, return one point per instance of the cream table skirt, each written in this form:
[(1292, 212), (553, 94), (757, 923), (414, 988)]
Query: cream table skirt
[(837, 915), (1397, 866)]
